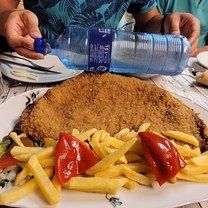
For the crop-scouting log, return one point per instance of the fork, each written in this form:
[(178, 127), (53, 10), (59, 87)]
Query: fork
[(34, 64)]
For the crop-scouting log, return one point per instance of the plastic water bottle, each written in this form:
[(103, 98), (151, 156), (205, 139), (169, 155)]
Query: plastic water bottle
[(118, 51)]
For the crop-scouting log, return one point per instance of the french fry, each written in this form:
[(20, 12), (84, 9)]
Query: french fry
[(202, 178), (173, 180), (96, 184), (21, 175), (182, 137), (104, 135), (137, 147), (111, 150), (132, 157), (56, 184), (130, 185), (192, 169), (201, 160), (205, 153), (134, 176), (116, 143), (44, 157), (21, 191), (187, 151), (24, 157), (117, 170), (75, 132), (49, 142), (44, 153), (129, 135), (120, 134), (86, 135), (151, 177), (111, 172), (144, 127), (111, 158), (17, 150), (16, 138), (18, 193), (138, 167), (48, 162), (45, 184), (96, 145)]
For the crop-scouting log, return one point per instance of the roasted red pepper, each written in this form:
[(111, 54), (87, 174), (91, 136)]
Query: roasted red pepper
[(162, 156), (73, 157), (7, 159)]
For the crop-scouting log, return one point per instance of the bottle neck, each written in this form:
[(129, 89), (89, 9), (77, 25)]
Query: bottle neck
[(44, 46)]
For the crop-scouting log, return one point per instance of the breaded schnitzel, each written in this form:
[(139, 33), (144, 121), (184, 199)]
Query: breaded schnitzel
[(109, 102)]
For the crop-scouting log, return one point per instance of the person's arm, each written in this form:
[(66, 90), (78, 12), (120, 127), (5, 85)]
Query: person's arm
[(20, 27), (175, 23), (148, 22)]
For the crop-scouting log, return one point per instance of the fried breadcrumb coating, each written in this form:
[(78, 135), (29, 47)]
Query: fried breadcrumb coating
[(109, 102)]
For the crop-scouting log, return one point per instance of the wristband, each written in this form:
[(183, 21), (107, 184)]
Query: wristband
[(162, 29)]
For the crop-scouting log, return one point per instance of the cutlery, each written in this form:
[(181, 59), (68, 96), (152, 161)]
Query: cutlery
[(15, 84), (38, 68), (31, 62)]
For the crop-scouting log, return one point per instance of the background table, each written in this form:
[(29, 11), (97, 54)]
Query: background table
[(183, 85)]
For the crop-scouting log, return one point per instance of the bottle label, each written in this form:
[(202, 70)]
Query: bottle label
[(100, 47)]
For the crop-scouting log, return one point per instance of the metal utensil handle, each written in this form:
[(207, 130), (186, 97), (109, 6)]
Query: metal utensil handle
[(31, 67)]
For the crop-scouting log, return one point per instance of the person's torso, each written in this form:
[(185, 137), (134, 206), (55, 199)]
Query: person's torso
[(55, 15)]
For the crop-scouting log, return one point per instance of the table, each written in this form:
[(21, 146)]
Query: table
[(183, 85)]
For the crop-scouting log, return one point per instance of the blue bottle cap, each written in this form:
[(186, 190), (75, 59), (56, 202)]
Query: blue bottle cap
[(39, 45)]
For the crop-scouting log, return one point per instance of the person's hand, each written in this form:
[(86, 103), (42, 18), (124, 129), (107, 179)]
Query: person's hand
[(21, 28), (184, 24)]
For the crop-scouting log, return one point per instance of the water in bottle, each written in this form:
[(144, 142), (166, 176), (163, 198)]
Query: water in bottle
[(118, 51)]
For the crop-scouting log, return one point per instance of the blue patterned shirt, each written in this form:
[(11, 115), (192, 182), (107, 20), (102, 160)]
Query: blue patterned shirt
[(55, 15)]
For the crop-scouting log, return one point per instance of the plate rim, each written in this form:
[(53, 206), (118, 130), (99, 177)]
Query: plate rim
[(6, 69), (199, 58)]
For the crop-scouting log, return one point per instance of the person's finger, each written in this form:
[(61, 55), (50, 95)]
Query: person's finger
[(194, 49), (31, 22), (195, 32), (24, 46), (19, 41), (171, 24), (28, 53)]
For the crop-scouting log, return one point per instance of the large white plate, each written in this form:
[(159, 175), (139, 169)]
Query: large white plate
[(203, 58), (43, 77), (169, 195)]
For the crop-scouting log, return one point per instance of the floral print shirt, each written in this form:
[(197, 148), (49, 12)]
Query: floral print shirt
[(55, 15)]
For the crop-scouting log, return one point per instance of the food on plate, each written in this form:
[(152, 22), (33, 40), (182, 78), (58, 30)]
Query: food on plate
[(7, 159), (163, 158), (118, 168), (110, 102), (3, 147), (23, 73), (73, 158)]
